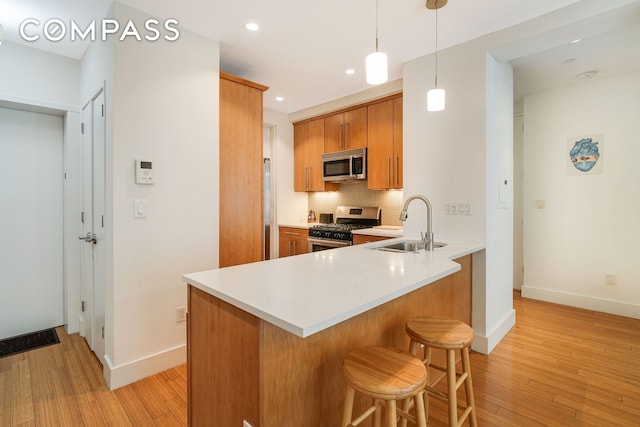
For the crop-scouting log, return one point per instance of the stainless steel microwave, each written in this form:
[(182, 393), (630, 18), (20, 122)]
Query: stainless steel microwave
[(344, 165)]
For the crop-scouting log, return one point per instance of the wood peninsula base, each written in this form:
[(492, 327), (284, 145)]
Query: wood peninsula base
[(243, 368)]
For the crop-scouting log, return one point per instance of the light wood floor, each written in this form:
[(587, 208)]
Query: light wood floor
[(62, 385), (559, 366)]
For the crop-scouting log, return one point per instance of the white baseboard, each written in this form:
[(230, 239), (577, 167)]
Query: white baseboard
[(486, 343), (582, 301), (81, 326), (127, 373)]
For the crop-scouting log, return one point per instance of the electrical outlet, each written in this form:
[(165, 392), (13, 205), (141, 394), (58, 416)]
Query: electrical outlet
[(181, 314), (610, 279)]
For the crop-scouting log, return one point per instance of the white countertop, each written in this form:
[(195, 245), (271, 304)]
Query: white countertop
[(381, 230), (305, 225), (308, 293)]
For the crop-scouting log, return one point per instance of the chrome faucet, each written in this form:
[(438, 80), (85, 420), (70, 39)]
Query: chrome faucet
[(427, 238)]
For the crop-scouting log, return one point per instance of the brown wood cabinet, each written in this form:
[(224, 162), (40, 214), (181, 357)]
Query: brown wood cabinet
[(241, 215), (293, 241), (359, 239), (308, 147), (243, 368), (384, 154), (345, 131)]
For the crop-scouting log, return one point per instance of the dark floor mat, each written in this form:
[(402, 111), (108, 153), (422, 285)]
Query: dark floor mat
[(26, 342)]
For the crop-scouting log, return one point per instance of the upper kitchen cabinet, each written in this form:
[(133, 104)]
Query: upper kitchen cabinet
[(241, 207), (308, 147), (385, 144), (345, 131)]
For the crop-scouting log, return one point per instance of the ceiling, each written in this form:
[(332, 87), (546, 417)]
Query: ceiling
[(303, 47)]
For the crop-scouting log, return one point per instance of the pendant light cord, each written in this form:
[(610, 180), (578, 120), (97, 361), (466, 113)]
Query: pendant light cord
[(436, 44), (377, 1)]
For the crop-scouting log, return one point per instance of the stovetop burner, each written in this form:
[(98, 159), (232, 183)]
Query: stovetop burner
[(348, 218), (340, 227)]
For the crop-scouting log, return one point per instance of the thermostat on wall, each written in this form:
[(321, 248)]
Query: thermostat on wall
[(144, 172)]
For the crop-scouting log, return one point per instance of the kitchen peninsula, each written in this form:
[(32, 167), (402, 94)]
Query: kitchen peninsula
[(266, 340)]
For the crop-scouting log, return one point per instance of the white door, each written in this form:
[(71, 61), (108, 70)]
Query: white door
[(93, 225), (31, 221)]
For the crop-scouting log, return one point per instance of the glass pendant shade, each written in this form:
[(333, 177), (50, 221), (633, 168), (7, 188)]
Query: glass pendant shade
[(435, 100), (376, 68)]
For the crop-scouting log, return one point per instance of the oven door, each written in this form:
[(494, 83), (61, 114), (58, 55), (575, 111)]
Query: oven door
[(316, 245)]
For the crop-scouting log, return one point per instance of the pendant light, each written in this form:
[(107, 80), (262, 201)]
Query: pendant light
[(436, 96), (376, 62)]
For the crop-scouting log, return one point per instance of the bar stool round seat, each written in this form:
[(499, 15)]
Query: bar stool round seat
[(449, 335), (386, 375)]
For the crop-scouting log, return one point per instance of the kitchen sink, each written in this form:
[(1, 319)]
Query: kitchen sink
[(407, 246)]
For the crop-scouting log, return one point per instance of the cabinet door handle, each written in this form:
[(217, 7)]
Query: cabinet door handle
[(291, 233), (346, 136), (294, 247), (397, 170), (388, 171), (340, 132)]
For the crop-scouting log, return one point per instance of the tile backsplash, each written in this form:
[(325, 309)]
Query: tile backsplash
[(356, 193)]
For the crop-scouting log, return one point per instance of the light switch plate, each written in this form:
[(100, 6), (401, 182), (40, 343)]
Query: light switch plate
[(139, 209)]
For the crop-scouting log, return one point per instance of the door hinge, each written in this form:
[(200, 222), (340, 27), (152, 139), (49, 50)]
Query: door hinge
[(82, 217), (82, 306), (103, 332), (82, 128)]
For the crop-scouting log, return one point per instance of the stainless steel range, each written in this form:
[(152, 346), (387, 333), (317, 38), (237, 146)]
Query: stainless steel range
[(338, 234)]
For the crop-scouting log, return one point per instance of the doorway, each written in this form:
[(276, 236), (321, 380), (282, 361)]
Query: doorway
[(31, 221), (270, 236), (92, 218)]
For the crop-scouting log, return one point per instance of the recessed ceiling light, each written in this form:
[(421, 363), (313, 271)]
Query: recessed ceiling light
[(576, 41), (279, 98), (252, 26), (350, 72)]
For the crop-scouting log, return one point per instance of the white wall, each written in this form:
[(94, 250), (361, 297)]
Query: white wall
[(589, 227), (33, 80), (165, 109), (35, 77), (291, 206), (457, 155), (31, 222), (500, 315), (162, 105)]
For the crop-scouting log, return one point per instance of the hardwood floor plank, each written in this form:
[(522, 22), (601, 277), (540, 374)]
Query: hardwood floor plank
[(21, 397), (559, 367), (92, 414), (137, 413), (5, 398), (112, 409), (45, 413)]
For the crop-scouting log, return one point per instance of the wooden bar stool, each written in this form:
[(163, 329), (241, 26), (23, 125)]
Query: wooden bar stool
[(449, 335), (386, 375)]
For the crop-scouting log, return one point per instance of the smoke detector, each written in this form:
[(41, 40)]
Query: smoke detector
[(586, 75)]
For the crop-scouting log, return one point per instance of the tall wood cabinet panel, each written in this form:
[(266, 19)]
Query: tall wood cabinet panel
[(308, 147), (346, 130), (384, 153), (241, 171)]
